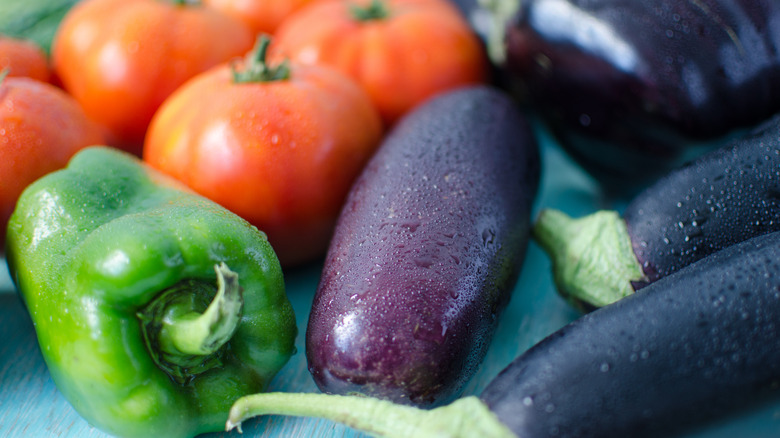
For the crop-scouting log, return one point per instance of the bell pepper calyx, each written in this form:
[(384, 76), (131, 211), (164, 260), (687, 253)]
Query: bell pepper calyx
[(376, 10), (256, 67), (183, 338)]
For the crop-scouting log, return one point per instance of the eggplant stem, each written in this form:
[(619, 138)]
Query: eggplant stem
[(466, 417), (593, 257), (500, 12)]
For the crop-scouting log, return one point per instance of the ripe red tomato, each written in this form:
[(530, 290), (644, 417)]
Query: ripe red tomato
[(401, 51), (23, 58), (121, 58), (262, 16), (41, 127), (279, 150)]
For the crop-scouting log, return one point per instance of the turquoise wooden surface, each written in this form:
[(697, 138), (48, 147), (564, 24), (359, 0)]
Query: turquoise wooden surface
[(31, 406)]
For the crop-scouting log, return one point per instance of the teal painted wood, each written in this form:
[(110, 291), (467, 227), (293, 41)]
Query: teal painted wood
[(31, 406)]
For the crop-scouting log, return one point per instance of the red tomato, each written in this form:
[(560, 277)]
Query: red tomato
[(121, 58), (23, 58), (282, 153), (401, 51), (41, 127), (262, 16)]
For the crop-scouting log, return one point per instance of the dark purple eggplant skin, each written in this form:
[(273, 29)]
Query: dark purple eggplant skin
[(631, 89), (426, 252), (723, 198), (695, 346)]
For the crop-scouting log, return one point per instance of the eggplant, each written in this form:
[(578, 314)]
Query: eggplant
[(426, 251), (694, 347), (722, 198), (632, 89)]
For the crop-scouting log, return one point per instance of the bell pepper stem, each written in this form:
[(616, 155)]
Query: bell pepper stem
[(201, 334), (466, 417), (187, 325)]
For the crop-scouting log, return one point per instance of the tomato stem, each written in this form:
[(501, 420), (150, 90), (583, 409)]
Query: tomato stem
[(4, 74), (186, 2), (256, 68), (376, 10)]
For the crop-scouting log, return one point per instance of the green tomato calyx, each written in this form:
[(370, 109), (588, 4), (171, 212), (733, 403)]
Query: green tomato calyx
[(256, 68), (376, 10)]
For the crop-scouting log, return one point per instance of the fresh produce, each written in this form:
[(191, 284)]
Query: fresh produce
[(279, 145), (426, 252), (262, 16), (121, 58), (154, 308), (634, 88), (23, 58), (723, 198), (41, 127), (693, 347), (401, 51)]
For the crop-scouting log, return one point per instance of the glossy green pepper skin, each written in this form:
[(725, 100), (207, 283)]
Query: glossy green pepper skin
[(110, 257)]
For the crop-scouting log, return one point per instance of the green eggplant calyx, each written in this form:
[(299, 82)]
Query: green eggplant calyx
[(500, 12), (466, 417), (256, 69), (185, 333), (376, 10), (593, 259)]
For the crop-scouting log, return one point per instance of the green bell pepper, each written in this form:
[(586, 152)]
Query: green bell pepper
[(155, 309)]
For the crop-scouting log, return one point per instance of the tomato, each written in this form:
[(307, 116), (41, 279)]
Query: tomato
[(23, 58), (41, 127), (262, 16), (121, 58), (400, 51), (281, 149)]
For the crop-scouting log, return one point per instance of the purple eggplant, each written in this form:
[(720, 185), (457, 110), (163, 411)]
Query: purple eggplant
[(426, 251), (722, 198), (632, 89), (694, 347)]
